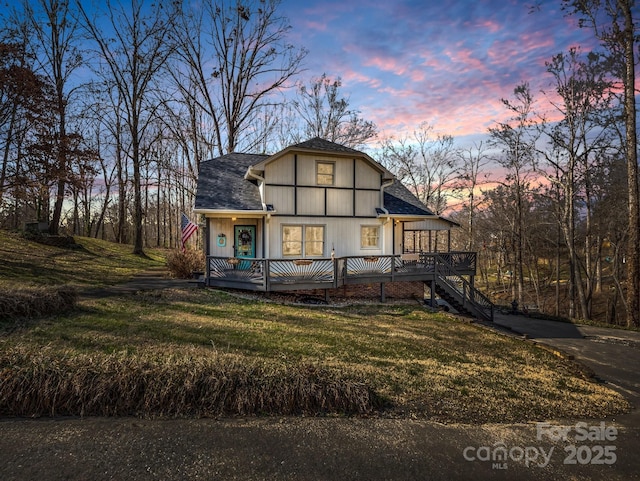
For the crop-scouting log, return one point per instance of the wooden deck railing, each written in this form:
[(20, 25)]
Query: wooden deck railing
[(451, 279), (288, 274)]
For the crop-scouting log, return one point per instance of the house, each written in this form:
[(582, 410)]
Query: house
[(317, 215)]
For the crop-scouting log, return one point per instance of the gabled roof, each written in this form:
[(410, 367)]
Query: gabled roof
[(323, 146), (222, 186), (226, 183), (319, 144)]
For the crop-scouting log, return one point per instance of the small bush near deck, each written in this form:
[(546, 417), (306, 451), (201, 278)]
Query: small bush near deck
[(182, 265), (33, 302)]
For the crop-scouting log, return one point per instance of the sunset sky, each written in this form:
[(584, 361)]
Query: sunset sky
[(403, 62)]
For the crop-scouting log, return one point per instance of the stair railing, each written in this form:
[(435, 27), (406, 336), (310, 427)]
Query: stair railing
[(447, 276)]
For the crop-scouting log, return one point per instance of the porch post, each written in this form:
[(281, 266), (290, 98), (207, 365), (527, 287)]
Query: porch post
[(207, 237), (432, 287), (449, 240), (382, 295)]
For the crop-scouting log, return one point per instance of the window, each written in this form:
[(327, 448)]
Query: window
[(303, 240), (369, 236), (292, 240), (325, 173), (313, 240)]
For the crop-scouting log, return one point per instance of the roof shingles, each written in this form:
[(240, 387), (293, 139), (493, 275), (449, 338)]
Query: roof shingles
[(398, 200), (222, 186)]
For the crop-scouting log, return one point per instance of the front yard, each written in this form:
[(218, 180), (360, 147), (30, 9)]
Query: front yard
[(206, 353)]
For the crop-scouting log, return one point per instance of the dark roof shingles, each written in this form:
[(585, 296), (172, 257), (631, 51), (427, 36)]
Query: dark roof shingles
[(320, 144), (221, 183), (398, 200)]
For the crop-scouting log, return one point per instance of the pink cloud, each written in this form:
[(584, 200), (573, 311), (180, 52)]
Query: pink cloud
[(316, 26), (489, 25)]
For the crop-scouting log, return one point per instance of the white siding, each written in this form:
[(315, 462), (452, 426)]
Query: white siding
[(282, 198), (366, 176), (220, 226), (226, 227), (341, 233), (428, 224), (398, 237), (310, 201), (339, 202), (344, 173), (366, 202), (306, 170), (280, 171)]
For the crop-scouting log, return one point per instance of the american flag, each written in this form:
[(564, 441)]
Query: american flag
[(188, 228)]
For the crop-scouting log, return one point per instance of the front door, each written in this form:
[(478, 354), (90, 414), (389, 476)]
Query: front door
[(245, 241)]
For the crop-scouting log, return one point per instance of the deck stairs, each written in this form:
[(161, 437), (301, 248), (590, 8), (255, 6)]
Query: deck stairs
[(460, 293)]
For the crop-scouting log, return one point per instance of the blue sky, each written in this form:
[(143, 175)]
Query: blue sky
[(447, 62), (403, 62)]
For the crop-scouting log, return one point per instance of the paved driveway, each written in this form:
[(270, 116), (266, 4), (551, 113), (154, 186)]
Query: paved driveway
[(612, 354)]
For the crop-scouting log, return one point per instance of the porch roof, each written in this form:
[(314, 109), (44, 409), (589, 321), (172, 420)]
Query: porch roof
[(401, 204)]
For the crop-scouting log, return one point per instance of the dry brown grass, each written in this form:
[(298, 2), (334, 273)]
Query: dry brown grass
[(53, 383), (24, 263), (31, 302)]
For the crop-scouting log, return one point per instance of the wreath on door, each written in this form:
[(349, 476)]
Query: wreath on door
[(244, 237)]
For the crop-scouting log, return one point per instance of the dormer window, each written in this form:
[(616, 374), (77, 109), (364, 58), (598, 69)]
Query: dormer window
[(325, 173)]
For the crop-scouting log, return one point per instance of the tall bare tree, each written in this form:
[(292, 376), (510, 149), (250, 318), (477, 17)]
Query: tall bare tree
[(325, 113), (238, 58), (133, 54), (578, 141), (516, 141), (425, 162), (56, 32), (470, 178), (613, 24)]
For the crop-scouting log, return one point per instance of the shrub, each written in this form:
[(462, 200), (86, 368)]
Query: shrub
[(183, 264)]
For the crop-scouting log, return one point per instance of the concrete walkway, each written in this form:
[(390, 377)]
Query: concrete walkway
[(299, 448), (145, 281)]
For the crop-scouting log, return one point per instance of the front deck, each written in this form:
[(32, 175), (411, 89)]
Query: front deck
[(326, 273), (445, 272)]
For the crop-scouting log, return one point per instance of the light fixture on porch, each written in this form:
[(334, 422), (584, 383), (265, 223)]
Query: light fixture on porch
[(233, 219)]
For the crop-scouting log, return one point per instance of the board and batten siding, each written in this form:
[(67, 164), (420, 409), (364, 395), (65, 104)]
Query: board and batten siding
[(355, 192), (280, 171), (282, 198), (366, 176), (339, 202), (428, 224), (342, 233), (311, 201), (306, 170)]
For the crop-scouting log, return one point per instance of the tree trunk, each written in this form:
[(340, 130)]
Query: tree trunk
[(633, 249)]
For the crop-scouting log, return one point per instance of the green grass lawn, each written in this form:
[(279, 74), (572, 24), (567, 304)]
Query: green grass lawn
[(93, 263), (207, 353)]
